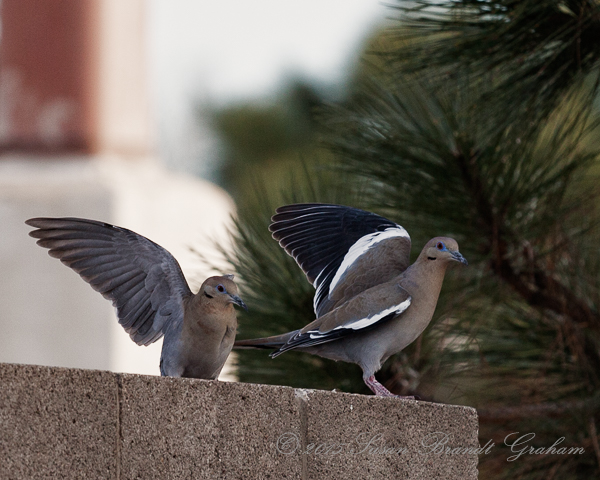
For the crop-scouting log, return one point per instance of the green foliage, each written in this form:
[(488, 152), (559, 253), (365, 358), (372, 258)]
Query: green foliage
[(435, 158), (474, 119), (533, 48), (265, 138)]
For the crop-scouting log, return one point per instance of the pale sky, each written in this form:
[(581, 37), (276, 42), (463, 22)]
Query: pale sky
[(218, 52)]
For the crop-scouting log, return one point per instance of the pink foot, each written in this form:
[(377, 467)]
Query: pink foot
[(379, 390)]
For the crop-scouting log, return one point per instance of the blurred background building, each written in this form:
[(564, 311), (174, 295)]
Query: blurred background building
[(101, 116)]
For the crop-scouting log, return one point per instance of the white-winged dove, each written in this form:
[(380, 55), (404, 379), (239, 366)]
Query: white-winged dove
[(369, 303), (149, 292)]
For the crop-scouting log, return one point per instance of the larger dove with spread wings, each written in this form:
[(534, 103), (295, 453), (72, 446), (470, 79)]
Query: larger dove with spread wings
[(369, 303)]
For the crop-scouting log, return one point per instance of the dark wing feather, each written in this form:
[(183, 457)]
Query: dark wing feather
[(320, 237), (143, 280)]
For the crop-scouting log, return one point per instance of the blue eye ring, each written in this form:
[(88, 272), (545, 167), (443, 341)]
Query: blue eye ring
[(440, 246), (221, 288)]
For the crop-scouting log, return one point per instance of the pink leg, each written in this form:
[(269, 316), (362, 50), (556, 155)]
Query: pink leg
[(379, 390)]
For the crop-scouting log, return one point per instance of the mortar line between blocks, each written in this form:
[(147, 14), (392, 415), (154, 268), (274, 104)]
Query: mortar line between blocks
[(119, 423), (302, 402)]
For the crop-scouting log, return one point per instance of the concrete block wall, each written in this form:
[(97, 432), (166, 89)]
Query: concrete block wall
[(71, 423)]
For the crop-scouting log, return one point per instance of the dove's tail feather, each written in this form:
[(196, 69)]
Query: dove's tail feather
[(275, 342)]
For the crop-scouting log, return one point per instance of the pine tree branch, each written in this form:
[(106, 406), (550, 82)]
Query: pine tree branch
[(535, 285), (545, 291)]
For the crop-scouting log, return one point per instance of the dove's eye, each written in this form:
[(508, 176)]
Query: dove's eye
[(221, 288)]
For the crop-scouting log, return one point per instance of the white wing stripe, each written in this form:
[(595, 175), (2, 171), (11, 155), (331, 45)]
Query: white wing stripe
[(315, 335), (365, 322), (361, 246)]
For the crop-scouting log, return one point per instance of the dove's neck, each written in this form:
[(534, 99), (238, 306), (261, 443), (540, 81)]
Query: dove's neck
[(423, 280)]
